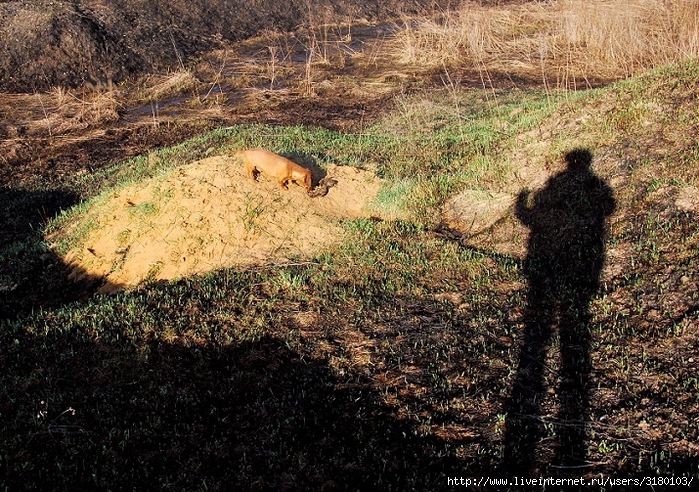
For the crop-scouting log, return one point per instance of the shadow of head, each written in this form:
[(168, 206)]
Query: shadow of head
[(579, 160)]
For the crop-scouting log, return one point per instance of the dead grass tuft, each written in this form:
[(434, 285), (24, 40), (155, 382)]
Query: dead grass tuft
[(568, 41), (170, 85)]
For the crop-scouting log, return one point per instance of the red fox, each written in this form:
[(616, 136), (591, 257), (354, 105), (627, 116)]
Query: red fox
[(280, 168)]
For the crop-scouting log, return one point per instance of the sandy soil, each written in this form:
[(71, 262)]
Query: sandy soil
[(210, 215)]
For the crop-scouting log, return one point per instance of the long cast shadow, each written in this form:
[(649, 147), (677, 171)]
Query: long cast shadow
[(31, 274), (95, 405), (95, 408), (563, 265)]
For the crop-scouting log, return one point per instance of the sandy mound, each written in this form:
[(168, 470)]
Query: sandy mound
[(210, 215), (688, 199)]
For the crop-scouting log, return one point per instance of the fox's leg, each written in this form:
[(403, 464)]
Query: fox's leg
[(251, 170)]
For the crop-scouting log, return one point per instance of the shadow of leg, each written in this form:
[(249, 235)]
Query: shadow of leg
[(524, 428), (573, 389)]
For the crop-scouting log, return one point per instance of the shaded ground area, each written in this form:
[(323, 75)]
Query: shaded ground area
[(29, 272), (284, 419)]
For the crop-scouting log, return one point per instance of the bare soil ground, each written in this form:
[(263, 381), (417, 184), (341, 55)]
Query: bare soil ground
[(47, 44), (210, 215)]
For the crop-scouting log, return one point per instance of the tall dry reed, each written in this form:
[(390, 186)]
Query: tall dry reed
[(566, 42)]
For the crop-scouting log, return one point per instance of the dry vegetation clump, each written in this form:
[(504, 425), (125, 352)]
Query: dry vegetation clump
[(568, 43), (159, 87), (57, 112)]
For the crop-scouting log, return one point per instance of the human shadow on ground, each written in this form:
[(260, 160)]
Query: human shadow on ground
[(566, 252)]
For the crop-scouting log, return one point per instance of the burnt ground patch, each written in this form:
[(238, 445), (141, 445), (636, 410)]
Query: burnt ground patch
[(46, 44)]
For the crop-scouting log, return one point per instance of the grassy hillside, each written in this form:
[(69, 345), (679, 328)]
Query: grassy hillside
[(406, 354)]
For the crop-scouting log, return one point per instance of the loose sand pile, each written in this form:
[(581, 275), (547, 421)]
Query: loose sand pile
[(209, 215)]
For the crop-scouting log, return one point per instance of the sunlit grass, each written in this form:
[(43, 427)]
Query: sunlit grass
[(566, 44)]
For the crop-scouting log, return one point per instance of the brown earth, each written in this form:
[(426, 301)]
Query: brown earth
[(44, 44), (209, 215)]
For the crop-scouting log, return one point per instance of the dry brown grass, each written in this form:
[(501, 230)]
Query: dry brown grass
[(159, 87), (565, 42)]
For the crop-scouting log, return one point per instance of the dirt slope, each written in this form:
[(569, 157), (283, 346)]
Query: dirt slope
[(210, 215), (47, 43)]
